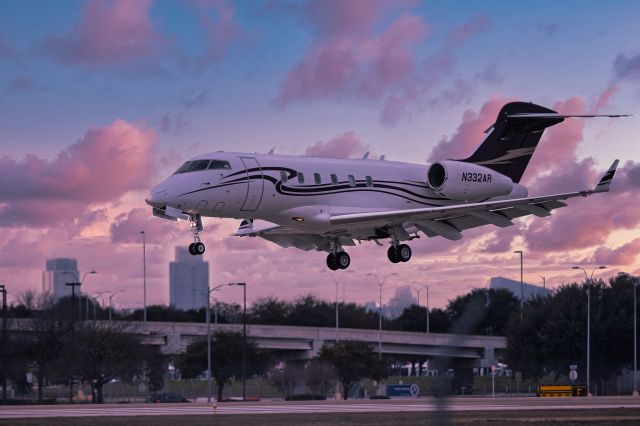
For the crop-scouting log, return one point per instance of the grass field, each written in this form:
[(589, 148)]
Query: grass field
[(547, 417)]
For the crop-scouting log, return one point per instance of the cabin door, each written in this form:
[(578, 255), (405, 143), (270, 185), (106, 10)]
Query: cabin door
[(255, 184)]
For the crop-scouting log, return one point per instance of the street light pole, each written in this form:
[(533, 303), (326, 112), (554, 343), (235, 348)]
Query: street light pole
[(111, 297), (84, 277), (380, 284), (589, 280), (521, 283), (427, 288), (209, 291), (244, 340), (144, 277)]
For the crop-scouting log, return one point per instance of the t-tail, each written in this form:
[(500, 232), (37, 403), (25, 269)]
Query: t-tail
[(510, 142)]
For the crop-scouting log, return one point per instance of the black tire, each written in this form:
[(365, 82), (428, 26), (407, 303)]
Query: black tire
[(404, 252), (199, 248), (343, 260), (191, 249), (392, 254), (332, 262)]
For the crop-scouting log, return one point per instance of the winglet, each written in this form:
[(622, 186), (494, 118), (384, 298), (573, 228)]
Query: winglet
[(605, 182)]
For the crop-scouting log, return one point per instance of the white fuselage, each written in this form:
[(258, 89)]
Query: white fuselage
[(269, 187)]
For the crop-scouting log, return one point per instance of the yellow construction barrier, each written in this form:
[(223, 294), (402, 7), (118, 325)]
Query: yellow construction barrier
[(561, 390)]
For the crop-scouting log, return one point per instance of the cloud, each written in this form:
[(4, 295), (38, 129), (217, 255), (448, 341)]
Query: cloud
[(101, 167), (604, 99), (627, 67), (473, 26), (126, 227), (174, 123), (626, 254), (347, 58), (108, 32), (469, 133), (345, 145), (217, 19)]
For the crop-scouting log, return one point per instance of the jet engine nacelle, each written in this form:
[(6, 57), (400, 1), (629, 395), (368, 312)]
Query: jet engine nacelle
[(467, 181)]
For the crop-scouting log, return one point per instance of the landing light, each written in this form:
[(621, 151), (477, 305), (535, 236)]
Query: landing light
[(297, 219)]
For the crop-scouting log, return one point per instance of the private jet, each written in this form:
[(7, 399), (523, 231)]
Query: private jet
[(327, 204)]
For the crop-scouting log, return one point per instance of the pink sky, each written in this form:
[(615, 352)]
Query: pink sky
[(127, 90)]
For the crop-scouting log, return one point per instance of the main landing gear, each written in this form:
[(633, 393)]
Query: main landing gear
[(399, 253), (196, 248), (337, 257), (339, 260)]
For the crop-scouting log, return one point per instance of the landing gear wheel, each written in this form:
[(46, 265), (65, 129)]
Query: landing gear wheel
[(392, 254), (332, 262), (198, 248), (342, 260), (403, 252), (191, 250)]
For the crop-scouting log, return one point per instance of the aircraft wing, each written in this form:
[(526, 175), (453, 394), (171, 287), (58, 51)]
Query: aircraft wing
[(448, 221), (287, 237)]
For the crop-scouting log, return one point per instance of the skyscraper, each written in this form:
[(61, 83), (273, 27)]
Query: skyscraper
[(59, 272), (188, 281)]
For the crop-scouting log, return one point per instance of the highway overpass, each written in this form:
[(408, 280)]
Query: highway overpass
[(303, 343)]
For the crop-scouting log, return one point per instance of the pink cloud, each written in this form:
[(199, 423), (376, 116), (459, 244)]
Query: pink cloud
[(469, 133), (126, 227), (626, 254), (345, 145), (109, 32), (604, 99), (101, 167), (348, 59)]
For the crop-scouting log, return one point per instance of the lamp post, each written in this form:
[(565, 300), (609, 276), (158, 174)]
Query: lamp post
[(336, 282), (87, 296), (521, 284), (589, 280), (544, 281), (209, 291), (73, 286), (380, 284), (144, 277), (3, 290), (110, 298), (418, 290), (244, 340), (95, 297)]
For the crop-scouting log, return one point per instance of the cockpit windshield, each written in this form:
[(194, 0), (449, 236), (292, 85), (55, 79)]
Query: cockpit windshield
[(197, 165)]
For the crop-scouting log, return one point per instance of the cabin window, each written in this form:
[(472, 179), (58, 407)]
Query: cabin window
[(317, 178), (219, 164), (334, 179), (369, 181), (352, 181), (193, 166), (300, 177), (283, 177)]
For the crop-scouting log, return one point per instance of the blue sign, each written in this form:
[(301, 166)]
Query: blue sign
[(403, 390)]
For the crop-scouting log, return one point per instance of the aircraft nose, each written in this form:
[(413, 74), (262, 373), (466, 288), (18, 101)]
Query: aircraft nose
[(158, 197)]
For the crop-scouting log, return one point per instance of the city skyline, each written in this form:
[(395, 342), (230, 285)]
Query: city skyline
[(101, 100)]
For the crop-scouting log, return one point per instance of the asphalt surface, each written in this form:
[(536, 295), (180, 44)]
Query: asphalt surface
[(452, 405)]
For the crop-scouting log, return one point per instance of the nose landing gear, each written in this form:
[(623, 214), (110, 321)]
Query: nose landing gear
[(196, 248)]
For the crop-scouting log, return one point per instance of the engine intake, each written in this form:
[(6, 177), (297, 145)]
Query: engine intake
[(466, 181)]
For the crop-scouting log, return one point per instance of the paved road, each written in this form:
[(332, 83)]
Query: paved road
[(417, 405)]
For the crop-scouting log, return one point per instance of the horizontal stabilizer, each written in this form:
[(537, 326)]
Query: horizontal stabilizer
[(555, 115)]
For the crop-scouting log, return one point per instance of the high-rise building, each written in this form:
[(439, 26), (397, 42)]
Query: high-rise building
[(188, 281), (59, 272), (529, 291)]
